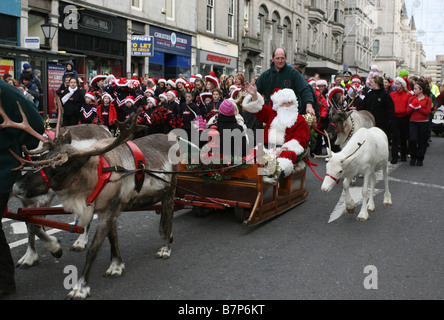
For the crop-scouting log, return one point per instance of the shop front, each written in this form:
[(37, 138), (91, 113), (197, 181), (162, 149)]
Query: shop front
[(220, 64), (9, 35), (101, 37), (172, 54)]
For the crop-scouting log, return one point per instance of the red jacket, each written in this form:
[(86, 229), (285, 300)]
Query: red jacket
[(424, 107), (112, 116), (401, 100)]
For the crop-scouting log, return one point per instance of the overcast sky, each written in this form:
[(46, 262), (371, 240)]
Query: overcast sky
[(429, 19)]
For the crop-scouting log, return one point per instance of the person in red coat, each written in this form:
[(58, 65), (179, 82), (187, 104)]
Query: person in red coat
[(420, 106), (400, 127), (285, 128)]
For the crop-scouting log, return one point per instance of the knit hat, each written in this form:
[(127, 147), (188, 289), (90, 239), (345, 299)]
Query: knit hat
[(26, 66), (227, 108)]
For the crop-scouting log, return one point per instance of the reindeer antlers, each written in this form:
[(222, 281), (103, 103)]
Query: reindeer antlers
[(24, 125), (359, 147), (127, 128)]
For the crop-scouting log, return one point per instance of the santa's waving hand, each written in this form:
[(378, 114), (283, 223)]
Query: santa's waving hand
[(285, 129)]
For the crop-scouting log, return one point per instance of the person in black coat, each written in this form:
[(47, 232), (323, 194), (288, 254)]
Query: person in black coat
[(380, 104), (72, 100), (188, 111)]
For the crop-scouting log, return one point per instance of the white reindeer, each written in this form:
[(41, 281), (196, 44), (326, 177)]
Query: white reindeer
[(366, 152)]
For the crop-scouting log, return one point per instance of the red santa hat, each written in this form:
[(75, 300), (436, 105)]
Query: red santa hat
[(130, 99), (212, 77), (150, 90), (153, 101), (192, 79), (404, 81), (331, 93), (181, 80), (173, 92), (163, 95), (106, 94), (206, 95), (162, 80), (356, 80), (153, 81), (311, 81), (122, 82), (90, 95), (235, 93), (97, 78), (282, 96), (172, 83), (321, 82)]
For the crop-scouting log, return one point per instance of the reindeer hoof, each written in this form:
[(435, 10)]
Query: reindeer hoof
[(80, 292), (115, 270), (351, 211), (362, 219), (58, 254), (164, 253)]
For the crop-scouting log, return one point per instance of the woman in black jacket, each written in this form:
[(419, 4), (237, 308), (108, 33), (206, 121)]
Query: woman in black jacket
[(73, 99), (380, 104)]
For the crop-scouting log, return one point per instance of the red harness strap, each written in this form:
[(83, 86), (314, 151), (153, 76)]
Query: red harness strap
[(103, 181), (50, 134), (334, 179), (139, 159)]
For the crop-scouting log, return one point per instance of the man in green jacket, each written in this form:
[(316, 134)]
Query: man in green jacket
[(14, 139), (282, 76)]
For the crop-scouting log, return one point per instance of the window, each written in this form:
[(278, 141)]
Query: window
[(170, 9), (136, 4), (376, 45), (261, 20), (210, 15), (230, 18)]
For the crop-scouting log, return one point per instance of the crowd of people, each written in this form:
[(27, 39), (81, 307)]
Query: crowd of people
[(403, 107)]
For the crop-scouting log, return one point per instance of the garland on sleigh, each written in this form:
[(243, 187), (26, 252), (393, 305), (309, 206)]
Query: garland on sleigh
[(218, 171)]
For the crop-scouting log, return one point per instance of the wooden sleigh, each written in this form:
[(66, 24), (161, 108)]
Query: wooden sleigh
[(253, 200)]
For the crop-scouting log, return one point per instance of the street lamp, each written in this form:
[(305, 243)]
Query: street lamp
[(49, 30)]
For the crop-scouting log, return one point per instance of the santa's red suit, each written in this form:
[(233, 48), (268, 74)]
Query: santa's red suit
[(284, 126)]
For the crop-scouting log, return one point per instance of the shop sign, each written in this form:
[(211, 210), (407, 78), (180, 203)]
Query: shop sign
[(142, 46), (170, 40), (6, 66), (55, 76), (215, 58)]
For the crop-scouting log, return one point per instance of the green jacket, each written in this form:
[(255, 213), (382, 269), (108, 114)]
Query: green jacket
[(14, 139), (287, 78)]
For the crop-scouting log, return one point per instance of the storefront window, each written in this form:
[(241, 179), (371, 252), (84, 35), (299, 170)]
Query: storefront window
[(9, 34)]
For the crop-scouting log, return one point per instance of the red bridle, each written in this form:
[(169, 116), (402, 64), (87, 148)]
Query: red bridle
[(334, 179)]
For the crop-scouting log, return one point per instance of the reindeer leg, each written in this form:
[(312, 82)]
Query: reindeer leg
[(84, 220), (30, 258), (117, 266), (166, 225), (371, 202), (349, 203), (82, 241), (387, 195), (363, 215), (82, 290)]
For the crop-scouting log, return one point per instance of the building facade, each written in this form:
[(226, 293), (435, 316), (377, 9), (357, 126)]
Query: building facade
[(225, 36)]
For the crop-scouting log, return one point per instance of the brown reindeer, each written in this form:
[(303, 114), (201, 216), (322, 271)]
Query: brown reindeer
[(74, 176), (34, 190)]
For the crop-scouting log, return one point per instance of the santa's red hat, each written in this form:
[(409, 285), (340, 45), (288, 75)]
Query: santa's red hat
[(311, 81), (162, 80), (331, 93), (97, 78), (130, 99), (106, 94), (356, 80), (282, 96), (153, 81), (321, 82), (150, 90), (415, 104), (206, 95), (234, 94), (172, 83), (122, 82), (404, 81), (173, 92), (153, 101), (90, 95), (181, 80), (212, 77)]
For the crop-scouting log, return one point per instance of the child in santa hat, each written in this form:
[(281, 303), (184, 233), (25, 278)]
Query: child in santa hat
[(88, 112), (106, 112), (285, 129), (130, 106)]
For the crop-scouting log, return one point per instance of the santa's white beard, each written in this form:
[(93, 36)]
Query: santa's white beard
[(287, 115)]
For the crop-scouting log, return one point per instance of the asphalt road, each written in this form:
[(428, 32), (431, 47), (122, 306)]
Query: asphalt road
[(296, 256)]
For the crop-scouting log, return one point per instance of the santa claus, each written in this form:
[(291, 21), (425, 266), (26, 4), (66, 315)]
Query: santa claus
[(285, 128)]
